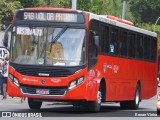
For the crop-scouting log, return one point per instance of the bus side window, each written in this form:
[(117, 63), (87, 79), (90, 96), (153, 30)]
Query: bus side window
[(131, 45), (106, 40), (139, 47), (113, 44), (93, 48), (153, 49), (147, 47), (123, 43)]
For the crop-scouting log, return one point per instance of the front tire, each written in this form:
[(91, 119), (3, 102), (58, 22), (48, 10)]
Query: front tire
[(34, 104), (95, 106), (133, 104)]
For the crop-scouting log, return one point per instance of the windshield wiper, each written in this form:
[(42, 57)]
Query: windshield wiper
[(33, 36), (54, 40)]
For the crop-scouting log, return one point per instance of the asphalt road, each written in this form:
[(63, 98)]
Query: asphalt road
[(55, 109)]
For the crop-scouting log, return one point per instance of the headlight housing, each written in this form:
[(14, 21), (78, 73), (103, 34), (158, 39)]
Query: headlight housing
[(11, 77), (76, 82), (14, 80)]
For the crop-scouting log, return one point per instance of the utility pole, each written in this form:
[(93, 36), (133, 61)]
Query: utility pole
[(124, 9), (103, 6), (74, 4), (156, 23)]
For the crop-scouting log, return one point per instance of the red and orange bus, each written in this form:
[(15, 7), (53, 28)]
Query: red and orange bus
[(61, 54)]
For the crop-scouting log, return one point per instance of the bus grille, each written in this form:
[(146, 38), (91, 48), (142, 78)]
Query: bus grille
[(50, 72), (53, 91)]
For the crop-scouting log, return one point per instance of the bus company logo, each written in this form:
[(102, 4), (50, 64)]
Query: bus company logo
[(56, 80), (109, 66), (43, 81), (115, 68), (29, 79)]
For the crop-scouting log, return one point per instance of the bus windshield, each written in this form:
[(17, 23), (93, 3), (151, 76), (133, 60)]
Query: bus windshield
[(48, 46)]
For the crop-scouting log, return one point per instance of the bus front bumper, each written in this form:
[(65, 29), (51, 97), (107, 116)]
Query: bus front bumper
[(58, 93)]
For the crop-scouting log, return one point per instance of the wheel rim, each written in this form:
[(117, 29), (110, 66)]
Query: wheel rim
[(99, 97), (137, 97)]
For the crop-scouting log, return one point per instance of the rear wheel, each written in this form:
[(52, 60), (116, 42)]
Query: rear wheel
[(133, 104), (34, 104)]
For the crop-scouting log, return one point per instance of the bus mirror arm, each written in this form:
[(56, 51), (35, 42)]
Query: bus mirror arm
[(96, 41), (95, 38), (6, 36)]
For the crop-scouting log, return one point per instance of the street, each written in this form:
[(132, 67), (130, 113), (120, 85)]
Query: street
[(56, 109)]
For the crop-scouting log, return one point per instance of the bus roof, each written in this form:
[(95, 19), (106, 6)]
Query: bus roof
[(50, 8), (104, 19)]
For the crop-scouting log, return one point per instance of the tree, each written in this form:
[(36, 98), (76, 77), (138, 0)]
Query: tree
[(46, 3), (146, 11), (7, 9)]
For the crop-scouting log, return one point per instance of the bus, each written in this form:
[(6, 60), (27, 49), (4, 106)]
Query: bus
[(60, 54)]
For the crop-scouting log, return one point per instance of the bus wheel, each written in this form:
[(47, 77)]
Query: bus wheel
[(34, 104), (95, 105), (133, 104)]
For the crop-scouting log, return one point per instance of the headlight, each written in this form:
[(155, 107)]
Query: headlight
[(72, 84), (14, 80), (76, 83), (80, 80), (11, 77)]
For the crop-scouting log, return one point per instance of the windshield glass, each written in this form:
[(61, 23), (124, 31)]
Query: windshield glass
[(48, 46)]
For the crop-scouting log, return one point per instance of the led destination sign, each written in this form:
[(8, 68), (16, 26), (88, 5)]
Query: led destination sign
[(49, 16)]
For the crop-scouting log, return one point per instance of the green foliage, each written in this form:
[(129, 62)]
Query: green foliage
[(46, 3), (60, 3), (84, 5), (7, 9), (150, 27), (94, 6), (145, 10)]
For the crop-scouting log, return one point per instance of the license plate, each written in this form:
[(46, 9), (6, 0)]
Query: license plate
[(42, 91)]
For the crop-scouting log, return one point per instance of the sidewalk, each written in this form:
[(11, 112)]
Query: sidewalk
[(17, 100), (10, 100)]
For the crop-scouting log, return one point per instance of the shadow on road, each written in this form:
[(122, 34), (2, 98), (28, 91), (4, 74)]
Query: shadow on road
[(70, 111)]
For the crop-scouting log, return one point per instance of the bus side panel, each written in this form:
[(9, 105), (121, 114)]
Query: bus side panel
[(122, 75), (92, 89), (149, 83), (121, 81), (118, 84)]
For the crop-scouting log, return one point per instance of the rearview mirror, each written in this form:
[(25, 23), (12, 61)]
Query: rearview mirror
[(96, 41)]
